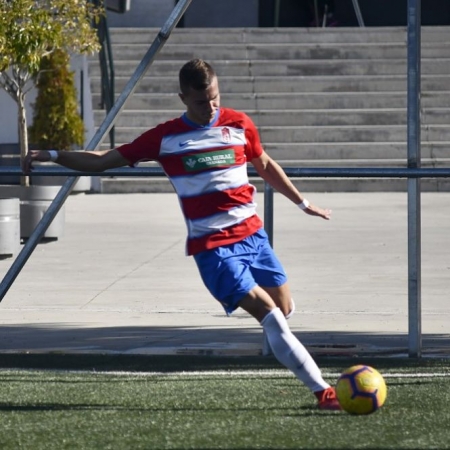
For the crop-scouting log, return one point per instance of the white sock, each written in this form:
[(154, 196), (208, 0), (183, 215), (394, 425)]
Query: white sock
[(290, 352)]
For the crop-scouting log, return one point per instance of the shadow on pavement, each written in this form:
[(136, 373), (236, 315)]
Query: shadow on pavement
[(138, 340)]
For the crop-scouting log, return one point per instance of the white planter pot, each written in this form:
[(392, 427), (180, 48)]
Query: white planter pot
[(34, 202), (9, 227)]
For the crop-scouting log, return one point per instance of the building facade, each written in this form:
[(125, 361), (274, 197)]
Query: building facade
[(283, 13)]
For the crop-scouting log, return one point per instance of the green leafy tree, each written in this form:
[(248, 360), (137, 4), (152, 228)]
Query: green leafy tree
[(56, 121), (30, 30)]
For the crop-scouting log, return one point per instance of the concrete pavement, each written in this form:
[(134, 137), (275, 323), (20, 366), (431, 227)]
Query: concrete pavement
[(118, 280)]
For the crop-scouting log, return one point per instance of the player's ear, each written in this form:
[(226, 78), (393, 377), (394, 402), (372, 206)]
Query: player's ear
[(182, 97)]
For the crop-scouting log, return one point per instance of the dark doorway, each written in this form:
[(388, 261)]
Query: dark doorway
[(301, 13)]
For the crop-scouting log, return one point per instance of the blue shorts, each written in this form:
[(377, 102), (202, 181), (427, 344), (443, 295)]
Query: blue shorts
[(232, 271)]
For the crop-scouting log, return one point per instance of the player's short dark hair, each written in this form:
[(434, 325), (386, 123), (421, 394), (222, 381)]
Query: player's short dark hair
[(196, 74)]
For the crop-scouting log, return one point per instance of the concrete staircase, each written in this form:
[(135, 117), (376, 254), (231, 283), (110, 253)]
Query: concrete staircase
[(333, 97)]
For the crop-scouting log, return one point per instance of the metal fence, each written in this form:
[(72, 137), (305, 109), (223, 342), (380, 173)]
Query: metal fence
[(413, 173)]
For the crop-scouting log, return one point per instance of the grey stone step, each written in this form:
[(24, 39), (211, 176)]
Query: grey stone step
[(290, 84), (278, 67), (147, 185), (294, 100), (343, 163), (185, 52), (278, 35), (349, 83), (345, 117), (349, 151), (350, 133), (363, 163)]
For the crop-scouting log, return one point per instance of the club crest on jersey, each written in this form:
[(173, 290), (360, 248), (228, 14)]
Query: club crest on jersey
[(226, 135), (191, 162), (202, 161)]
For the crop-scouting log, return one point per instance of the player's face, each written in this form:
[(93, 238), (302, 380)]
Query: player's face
[(201, 106)]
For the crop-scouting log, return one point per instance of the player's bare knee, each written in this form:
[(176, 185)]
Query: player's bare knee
[(291, 310)]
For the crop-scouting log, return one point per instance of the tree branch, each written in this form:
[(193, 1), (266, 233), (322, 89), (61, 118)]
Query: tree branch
[(9, 85)]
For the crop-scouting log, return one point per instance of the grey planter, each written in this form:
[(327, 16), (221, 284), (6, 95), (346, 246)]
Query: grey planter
[(34, 202), (9, 227)]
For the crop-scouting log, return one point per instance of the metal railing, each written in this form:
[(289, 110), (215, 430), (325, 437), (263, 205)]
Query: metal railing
[(414, 232), (107, 74), (413, 173), (359, 16)]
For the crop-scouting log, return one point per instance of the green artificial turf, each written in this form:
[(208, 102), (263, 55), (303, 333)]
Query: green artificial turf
[(241, 410)]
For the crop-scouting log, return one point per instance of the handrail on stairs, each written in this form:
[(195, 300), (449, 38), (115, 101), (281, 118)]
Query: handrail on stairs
[(107, 73), (359, 16)]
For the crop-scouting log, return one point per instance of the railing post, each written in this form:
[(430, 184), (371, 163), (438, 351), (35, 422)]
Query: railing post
[(276, 15), (414, 184), (268, 227), (268, 211), (359, 16)]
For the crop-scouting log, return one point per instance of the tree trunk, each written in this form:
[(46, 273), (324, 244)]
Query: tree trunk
[(23, 130)]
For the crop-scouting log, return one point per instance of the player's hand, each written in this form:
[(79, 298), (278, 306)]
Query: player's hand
[(34, 155), (314, 210)]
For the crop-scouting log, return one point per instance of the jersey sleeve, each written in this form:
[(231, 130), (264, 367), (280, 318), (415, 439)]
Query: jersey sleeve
[(254, 148), (146, 147)]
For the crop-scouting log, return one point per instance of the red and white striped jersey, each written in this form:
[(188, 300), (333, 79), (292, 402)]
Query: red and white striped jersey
[(207, 165)]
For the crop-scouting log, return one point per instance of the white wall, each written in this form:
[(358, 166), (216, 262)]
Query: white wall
[(9, 133)]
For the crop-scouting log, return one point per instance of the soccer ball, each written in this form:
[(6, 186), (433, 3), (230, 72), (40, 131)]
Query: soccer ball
[(361, 390)]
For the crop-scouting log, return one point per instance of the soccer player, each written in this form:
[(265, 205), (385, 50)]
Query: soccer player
[(205, 153)]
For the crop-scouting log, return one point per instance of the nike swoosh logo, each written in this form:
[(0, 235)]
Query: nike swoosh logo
[(183, 144)]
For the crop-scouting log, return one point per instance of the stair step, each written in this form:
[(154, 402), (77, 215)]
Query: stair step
[(290, 84), (361, 163), (293, 100), (153, 185), (185, 52), (279, 67), (237, 35), (349, 133), (346, 151), (305, 117), (320, 97), (301, 162), (342, 151)]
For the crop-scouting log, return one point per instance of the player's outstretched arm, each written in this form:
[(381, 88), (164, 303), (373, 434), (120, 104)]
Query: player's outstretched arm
[(95, 161), (270, 171)]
